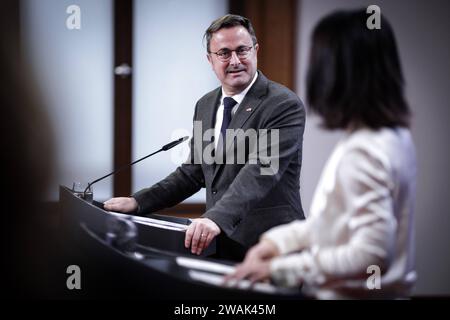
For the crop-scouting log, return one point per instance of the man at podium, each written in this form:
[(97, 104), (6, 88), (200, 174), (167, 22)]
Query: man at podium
[(244, 199)]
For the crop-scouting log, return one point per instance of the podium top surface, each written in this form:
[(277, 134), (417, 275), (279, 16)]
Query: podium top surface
[(158, 231)]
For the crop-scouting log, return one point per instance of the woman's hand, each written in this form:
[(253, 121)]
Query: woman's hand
[(256, 265)]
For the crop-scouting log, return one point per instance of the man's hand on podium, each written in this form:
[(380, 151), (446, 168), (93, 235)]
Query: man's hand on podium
[(200, 233), (121, 204)]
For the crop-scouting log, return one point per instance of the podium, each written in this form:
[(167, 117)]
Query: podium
[(158, 231), (146, 260), (154, 275)]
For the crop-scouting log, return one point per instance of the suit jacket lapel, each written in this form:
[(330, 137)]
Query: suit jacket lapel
[(208, 118), (208, 115)]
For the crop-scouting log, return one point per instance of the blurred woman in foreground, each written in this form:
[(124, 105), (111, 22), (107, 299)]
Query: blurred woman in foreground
[(361, 217)]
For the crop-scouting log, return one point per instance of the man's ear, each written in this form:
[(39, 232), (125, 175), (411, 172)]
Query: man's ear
[(256, 47), (208, 56)]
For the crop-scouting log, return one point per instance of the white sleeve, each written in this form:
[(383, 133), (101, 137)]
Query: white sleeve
[(364, 187), (290, 237)]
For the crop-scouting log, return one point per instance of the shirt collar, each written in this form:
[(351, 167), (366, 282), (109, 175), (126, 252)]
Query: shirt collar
[(241, 95)]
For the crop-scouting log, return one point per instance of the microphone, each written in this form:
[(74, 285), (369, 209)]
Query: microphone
[(166, 147)]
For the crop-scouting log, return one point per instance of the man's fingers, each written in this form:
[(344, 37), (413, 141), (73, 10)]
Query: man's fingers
[(121, 204), (114, 206), (110, 204), (195, 240), (205, 240), (189, 234), (209, 238), (201, 243), (200, 234)]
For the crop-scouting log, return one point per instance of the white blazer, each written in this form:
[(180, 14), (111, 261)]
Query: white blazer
[(360, 222)]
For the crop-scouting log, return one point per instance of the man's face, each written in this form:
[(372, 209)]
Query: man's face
[(236, 73)]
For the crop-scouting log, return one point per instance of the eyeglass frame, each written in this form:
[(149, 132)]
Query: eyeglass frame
[(247, 52)]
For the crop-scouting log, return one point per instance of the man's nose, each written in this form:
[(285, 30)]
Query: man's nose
[(234, 60)]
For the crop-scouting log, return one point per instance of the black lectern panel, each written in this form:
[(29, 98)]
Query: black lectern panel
[(149, 268), (76, 211), (147, 273)]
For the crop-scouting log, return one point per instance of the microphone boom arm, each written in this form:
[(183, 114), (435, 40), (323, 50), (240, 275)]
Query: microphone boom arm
[(166, 147)]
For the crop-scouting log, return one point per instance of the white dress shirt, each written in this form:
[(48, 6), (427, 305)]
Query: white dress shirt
[(361, 216), (219, 114)]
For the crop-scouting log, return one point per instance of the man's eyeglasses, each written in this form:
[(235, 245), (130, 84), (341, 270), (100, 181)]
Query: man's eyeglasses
[(225, 54)]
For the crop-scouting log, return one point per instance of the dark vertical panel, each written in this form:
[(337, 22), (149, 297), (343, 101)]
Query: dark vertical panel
[(123, 35), (275, 26), (10, 27)]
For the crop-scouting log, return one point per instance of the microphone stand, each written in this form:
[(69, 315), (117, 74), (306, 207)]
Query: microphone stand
[(164, 148)]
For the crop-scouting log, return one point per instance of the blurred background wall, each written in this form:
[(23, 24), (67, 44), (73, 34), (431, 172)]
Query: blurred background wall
[(171, 74), (73, 68)]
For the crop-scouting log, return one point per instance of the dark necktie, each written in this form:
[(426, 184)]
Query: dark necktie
[(228, 104)]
